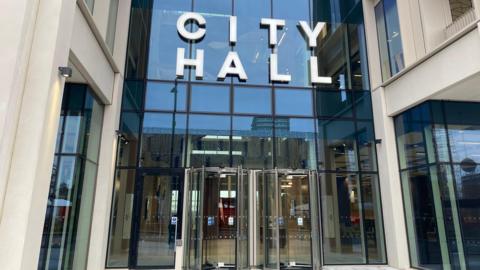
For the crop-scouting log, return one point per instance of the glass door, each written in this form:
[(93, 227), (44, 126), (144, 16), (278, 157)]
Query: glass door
[(216, 231), (157, 216), (284, 220)]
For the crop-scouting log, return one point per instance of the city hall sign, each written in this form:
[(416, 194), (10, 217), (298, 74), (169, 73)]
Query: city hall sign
[(232, 66)]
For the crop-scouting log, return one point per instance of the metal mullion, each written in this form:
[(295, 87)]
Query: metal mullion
[(277, 206)]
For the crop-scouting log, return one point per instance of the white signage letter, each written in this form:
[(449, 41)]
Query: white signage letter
[(182, 62), (273, 24), (312, 35), (314, 78), (274, 76), (184, 18), (233, 29), (232, 66)]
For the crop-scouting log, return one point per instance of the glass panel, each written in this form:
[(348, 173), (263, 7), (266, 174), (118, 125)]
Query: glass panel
[(341, 46), (162, 57), (252, 46), (90, 4), (388, 29), (468, 197), (363, 105), (366, 146), (337, 149), (73, 134), (215, 43), (296, 229), (112, 24), (140, 17), (394, 39), (382, 41), (421, 219), (293, 102), (220, 220), (334, 103), (61, 212), (163, 140), (209, 98), (413, 131), (128, 146), (193, 243), (343, 238), (271, 220), (292, 50), (166, 96), (209, 141), (121, 219), (261, 218), (243, 210), (372, 219), (252, 100), (252, 142), (94, 112), (132, 96), (295, 143), (156, 239)]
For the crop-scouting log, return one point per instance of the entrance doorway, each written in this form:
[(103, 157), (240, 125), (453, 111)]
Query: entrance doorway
[(236, 218)]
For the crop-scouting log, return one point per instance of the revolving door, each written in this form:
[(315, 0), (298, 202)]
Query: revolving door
[(216, 227), (244, 219)]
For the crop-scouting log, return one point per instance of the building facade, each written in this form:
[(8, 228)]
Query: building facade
[(271, 134)]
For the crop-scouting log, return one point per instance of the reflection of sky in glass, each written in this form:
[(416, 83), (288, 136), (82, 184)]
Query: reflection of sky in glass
[(161, 96), (209, 124), (253, 100), (293, 102), (464, 143), (207, 98)]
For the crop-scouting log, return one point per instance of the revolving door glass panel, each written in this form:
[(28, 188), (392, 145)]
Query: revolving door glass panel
[(283, 220), (216, 229)]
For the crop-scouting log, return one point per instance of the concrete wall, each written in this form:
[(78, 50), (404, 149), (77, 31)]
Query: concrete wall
[(41, 36)]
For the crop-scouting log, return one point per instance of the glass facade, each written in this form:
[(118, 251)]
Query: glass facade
[(439, 155), (66, 231), (389, 38), (170, 124)]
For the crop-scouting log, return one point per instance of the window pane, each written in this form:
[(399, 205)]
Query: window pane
[(394, 39), (156, 243), (209, 141), (366, 146), (372, 219), (215, 43), (295, 143), (414, 137), (336, 145), (292, 50), (161, 135), (163, 96), (252, 100), (342, 211), (127, 147), (112, 24), (363, 104), (252, 45), (132, 95), (121, 219), (421, 218), (252, 142), (334, 103), (136, 62), (293, 102), (209, 98), (162, 58)]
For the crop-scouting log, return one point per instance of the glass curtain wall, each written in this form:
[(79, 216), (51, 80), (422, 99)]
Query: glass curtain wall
[(66, 230), (174, 123), (439, 153)]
